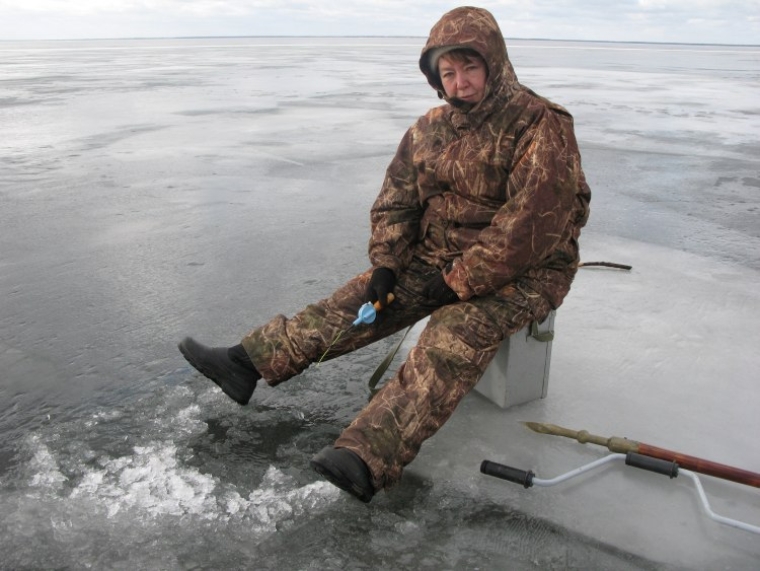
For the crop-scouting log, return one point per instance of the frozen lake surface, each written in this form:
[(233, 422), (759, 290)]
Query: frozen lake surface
[(155, 189)]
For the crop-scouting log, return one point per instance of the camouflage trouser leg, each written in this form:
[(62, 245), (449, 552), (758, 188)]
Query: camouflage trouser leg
[(284, 347), (451, 355), (449, 358)]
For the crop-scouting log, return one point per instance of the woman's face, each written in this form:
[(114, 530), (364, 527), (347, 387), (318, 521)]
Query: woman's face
[(465, 80)]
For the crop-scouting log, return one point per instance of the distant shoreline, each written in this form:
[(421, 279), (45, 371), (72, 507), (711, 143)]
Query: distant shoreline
[(416, 38)]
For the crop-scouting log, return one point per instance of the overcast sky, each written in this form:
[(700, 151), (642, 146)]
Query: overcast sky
[(690, 21)]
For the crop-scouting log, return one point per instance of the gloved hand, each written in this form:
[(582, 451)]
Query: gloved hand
[(380, 285), (439, 291)]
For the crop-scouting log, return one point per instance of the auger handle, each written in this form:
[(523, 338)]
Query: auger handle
[(666, 467), (507, 473)]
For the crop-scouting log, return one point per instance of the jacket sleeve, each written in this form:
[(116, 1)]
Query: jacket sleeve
[(544, 179), (396, 213)]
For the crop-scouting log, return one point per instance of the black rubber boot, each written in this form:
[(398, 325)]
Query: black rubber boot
[(228, 368), (344, 469)]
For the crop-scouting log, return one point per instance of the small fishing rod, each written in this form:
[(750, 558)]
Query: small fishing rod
[(367, 314)]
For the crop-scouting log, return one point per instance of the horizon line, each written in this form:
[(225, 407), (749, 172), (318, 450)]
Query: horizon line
[(201, 37)]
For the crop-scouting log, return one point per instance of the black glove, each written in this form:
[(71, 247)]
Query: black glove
[(380, 285), (438, 290)]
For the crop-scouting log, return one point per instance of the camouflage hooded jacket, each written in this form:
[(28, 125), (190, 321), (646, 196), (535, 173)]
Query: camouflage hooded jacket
[(495, 189)]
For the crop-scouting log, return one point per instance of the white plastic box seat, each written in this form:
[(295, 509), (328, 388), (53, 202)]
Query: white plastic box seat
[(520, 371)]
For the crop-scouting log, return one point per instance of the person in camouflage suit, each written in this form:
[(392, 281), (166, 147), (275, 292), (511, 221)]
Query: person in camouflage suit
[(476, 225)]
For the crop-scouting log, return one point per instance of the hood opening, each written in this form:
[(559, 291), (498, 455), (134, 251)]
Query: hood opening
[(473, 29)]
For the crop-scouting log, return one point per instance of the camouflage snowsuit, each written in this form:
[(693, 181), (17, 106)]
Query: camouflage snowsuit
[(494, 196)]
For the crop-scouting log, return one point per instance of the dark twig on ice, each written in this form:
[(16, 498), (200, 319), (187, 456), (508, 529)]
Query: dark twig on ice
[(605, 264)]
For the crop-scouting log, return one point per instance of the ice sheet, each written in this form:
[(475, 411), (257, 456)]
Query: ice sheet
[(155, 189)]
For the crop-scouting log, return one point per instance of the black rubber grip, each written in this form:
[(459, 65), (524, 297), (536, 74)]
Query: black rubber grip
[(507, 473), (666, 467)]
